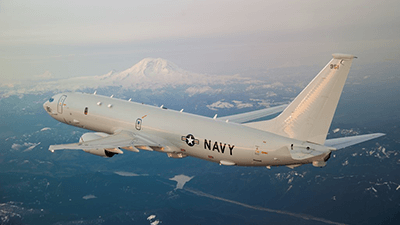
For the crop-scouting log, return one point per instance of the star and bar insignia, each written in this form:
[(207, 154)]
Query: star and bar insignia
[(190, 140)]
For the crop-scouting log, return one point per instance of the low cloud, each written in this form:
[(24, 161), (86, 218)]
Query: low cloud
[(46, 128), (220, 105), (129, 174), (241, 105), (87, 197), (27, 145), (181, 179)]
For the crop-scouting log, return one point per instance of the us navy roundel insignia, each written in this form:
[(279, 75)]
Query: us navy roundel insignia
[(190, 140)]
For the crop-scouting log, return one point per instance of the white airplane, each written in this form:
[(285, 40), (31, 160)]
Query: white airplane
[(297, 136)]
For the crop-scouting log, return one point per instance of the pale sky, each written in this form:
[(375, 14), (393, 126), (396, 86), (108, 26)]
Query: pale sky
[(82, 38)]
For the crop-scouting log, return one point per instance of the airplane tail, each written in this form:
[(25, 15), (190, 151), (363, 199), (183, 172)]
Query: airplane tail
[(309, 116)]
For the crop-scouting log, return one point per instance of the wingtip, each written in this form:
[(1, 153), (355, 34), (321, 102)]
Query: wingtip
[(51, 148)]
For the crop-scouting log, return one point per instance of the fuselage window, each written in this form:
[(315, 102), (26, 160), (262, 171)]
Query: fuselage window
[(86, 111)]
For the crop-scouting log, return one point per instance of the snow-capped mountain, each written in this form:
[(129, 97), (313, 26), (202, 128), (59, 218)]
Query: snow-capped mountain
[(149, 73), (151, 68), (152, 73)]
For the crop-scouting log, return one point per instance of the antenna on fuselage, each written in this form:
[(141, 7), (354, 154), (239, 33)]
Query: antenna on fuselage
[(215, 117), (181, 110), (111, 96), (129, 99), (95, 92)]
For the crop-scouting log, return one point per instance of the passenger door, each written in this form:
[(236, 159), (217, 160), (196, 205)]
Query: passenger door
[(60, 105)]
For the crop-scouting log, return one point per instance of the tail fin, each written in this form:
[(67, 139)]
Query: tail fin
[(309, 116)]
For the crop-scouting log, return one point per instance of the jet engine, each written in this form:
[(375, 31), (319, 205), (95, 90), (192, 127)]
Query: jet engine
[(106, 153), (100, 152)]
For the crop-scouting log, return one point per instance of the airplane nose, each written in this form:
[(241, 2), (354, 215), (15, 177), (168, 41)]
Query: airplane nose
[(47, 107)]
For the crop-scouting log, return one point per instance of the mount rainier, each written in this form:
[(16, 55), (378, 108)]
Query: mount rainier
[(149, 73)]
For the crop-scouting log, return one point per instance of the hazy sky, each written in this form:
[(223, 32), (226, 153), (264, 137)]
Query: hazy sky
[(76, 38)]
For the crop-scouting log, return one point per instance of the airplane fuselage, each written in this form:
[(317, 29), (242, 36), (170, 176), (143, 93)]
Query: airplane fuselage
[(296, 136), (178, 133)]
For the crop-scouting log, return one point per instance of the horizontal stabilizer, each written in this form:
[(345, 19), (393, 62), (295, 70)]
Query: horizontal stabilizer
[(344, 142), (253, 115)]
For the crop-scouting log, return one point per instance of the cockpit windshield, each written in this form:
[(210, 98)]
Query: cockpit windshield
[(51, 99)]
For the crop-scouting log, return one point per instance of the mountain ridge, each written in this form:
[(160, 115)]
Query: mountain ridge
[(149, 73)]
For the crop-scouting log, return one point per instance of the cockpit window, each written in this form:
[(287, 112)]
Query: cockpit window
[(51, 99), (86, 111)]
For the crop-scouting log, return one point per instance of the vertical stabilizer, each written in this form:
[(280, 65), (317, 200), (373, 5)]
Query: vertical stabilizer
[(309, 116)]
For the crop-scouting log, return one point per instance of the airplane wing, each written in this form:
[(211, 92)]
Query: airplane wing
[(344, 142), (123, 139), (249, 116)]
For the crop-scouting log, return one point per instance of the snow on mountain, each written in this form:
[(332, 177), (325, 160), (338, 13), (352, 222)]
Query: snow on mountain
[(220, 104), (156, 73), (149, 73), (193, 90)]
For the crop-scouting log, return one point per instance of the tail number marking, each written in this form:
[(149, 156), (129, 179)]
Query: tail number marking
[(334, 66)]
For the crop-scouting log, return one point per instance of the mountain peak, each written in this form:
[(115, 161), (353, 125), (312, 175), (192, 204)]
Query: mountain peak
[(156, 65), (154, 69)]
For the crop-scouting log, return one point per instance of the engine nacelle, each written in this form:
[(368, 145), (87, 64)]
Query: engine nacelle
[(101, 152), (107, 153)]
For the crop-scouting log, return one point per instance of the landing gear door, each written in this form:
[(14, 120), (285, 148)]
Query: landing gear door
[(60, 105)]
